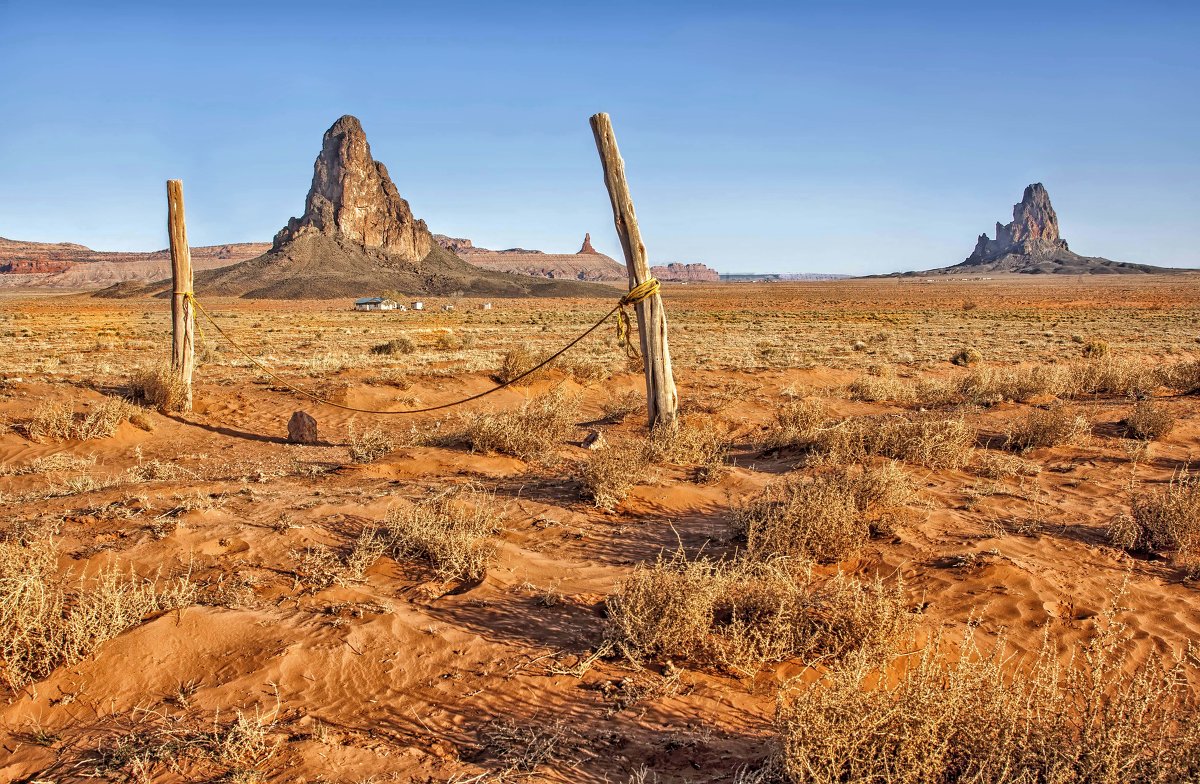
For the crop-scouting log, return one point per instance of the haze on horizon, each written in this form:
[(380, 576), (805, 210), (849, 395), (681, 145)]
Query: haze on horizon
[(858, 138)]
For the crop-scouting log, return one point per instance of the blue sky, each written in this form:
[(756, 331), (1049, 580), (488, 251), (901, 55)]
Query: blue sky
[(851, 137)]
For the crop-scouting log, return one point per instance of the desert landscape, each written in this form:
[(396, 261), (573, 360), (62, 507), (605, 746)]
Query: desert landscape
[(475, 596)]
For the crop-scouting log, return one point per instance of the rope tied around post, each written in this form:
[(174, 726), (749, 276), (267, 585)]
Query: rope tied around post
[(635, 295)]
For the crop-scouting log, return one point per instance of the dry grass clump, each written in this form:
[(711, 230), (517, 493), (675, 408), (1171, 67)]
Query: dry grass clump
[(58, 421), (991, 385), (967, 357), (1096, 348), (796, 424), (322, 566), (825, 518), (158, 387), (1183, 377), (616, 408), (400, 345), (969, 718), (925, 438), (700, 441), (739, 614), (517, 360), (370, 444), (1109, 375), (452, 531), (1149, 421), (1059, 424), (531, 432), (608, 475), (1164, 519), (999, 465), (45, 622)]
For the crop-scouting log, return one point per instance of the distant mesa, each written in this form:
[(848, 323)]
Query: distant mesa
[(1031, 244), (588, 264), (359, 236), (676, 272)]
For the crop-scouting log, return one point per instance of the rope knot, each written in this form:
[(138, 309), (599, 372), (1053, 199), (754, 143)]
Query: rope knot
[(642, 291)]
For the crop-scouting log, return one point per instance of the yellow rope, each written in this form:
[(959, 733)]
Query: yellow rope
[(635, 295)]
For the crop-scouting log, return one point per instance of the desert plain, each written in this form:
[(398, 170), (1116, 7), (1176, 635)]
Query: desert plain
[(872, 482)]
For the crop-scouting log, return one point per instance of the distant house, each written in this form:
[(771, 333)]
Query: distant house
[(447, 308), (418, 305), (374, 303), (485, 306)]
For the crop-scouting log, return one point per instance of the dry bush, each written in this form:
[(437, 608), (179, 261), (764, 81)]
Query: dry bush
[(370, 444), (741, 614), (1164, 519), (1096, 348), (967, 357), (608, 475), (45, 622), (517, 360), (58, 421), (400, 345), (452, 531), (158, 387), (1149, 421), (1059, 424), (322, 566), (824, 518), (990, 385), (928, 439), (998, 465), (521, 748), (796, 424), (969, 718), (1183, 377), (1109, 375), (584, 370), (700, 441), (616, 408), (531, 432)]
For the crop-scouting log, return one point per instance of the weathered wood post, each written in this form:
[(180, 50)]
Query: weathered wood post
[(662, 400), (183, 342)]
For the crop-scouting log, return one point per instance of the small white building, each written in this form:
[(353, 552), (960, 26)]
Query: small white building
[(374, 303), (418, 305), (447, 308)]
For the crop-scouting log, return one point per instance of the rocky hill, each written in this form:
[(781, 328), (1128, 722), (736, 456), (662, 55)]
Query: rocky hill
[(69, 266), (358, 237), (1031, 244), (587, 264)]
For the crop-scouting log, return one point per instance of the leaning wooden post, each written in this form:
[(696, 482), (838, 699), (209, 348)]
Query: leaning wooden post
[(183, 342), (662, 400)]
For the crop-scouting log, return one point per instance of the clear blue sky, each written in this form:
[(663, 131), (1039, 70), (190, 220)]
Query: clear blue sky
[(836, 136)]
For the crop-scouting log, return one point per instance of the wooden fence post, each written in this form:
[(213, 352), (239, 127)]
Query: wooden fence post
[(662, 400), (183, 341)]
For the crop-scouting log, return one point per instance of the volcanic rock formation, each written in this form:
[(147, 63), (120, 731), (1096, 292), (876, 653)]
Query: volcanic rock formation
[(358, 237), (353, 198)]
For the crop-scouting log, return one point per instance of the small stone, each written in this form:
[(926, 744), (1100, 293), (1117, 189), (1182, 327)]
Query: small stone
[(302, 428), (593, 440)]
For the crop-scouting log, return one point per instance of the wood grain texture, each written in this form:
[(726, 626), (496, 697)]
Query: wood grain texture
[(662, 399), (183, 341)]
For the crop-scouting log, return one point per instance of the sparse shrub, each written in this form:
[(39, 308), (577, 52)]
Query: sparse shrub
[(517, 360), (825, 518), (967, 357), (1149, 421), (699, 441), (990, 385), (1041, 427), (158, 387), (448, 341), (1166, 519), (739, 614), (369, 445), (609, 474), (998, 465), (1109, 375), (969, 305), (1183, 377), (928, 439), (58, 421), (46, 622), (1096, 349), (615, 409), (452, 531), (796, 423), (323, 566), (533, 431), (1098, 719), (400, 345)]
